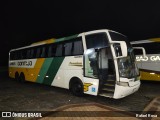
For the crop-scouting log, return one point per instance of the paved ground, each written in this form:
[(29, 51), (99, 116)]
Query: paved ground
[(91, 111), (28, 96)]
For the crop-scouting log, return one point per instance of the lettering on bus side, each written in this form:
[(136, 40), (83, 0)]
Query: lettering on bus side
[(24, 63), (147, 58), (12, 63)]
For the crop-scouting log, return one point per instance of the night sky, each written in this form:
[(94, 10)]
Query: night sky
[(23, 22)]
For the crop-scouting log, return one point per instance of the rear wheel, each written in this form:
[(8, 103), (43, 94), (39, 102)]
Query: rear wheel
[(76, 87), (16, 76), (22, 77)]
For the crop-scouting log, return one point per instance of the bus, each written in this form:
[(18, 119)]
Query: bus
[(99, 62), (150, 65)]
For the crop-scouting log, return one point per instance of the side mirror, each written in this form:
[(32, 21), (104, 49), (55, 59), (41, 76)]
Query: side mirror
[(143, 51), (120, 48)]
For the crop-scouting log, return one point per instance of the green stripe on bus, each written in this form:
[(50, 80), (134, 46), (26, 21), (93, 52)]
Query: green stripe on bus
[(44, 69), (66, 38), (53, 69)]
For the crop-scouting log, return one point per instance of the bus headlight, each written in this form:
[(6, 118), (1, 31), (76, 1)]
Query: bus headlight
[(125, 84)]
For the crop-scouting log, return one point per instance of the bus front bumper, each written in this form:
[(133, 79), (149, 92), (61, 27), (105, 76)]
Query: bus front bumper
[(122, 91)]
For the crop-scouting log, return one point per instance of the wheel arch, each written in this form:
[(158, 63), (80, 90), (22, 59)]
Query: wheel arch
[(73, 80)]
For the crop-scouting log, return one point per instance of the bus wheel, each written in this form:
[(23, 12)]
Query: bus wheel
[(76, 87), (16, 76), (22, 77)]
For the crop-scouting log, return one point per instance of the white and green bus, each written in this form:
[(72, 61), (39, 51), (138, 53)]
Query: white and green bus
[(150, 64), (99, 62)]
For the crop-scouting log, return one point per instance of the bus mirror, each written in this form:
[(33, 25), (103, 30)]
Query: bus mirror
[(143, 50), (120, 48)]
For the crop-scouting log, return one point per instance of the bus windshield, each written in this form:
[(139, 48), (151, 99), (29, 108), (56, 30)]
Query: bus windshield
[(127, 66)]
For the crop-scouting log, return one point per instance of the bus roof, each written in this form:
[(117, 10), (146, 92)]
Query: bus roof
[(53, 40), (146, 41), (49, 41)]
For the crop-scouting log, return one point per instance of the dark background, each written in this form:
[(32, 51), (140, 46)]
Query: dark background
[(23, 22)]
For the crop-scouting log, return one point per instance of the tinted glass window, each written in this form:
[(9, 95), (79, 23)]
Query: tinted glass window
[(38, 52), (77, 48), (96, 40), (13, 55), (68, 48), (43, 54), (59, 50), (32, 52), (51, 50), (23, 54), (28, 53), (16, 55)]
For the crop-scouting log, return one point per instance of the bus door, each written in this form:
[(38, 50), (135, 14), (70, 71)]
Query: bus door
[(91, 82), (106, 66)]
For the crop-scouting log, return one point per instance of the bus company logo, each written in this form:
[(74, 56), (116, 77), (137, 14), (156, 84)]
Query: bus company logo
[(86, 86), (24, 63), (6, 114)]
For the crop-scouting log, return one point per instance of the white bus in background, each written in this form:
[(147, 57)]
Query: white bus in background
[(99, 62), (150, 65)]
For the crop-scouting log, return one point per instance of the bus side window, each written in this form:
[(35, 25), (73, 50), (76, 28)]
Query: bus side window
[(38, 53), (18, 55), (12, 55), (68, 48), (32, 53), (43, 54), (77, 48), (15, 55), (22, 54), (51, 50), (28, 53), (59, 50)]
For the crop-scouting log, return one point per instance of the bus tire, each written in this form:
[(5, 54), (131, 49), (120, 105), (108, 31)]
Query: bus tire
[(22, 77), (17, 76), (76, 87)]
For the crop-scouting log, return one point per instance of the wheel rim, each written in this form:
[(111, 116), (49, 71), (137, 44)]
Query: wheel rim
[(77, 89)]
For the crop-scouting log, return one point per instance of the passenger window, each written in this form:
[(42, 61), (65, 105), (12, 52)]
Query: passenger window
[(28, 53), (43, 52), (77, 48), (59, 50), (51, 51), (32, 52), (68, 48), (38, 53), (23, 55)]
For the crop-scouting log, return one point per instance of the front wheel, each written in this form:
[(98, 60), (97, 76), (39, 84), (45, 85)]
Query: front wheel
[(77, 88)]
